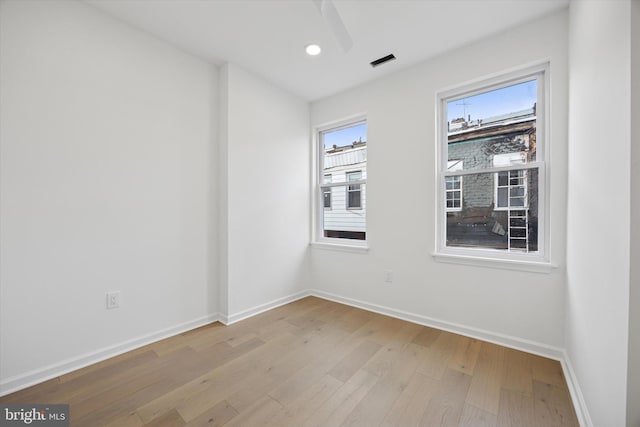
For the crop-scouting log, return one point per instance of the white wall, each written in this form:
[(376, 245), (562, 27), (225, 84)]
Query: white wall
[(598, 257), (266, 150), (401, 196), (106, 152), (633, 386)]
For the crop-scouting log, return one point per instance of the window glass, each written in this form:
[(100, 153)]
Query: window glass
[(343, 170), (497, 122), (490, 186)]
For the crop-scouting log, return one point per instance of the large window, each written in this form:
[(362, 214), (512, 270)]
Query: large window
[(492, 140), (342, 179)]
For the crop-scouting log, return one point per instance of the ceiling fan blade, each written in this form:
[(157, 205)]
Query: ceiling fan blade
[(334, 21)]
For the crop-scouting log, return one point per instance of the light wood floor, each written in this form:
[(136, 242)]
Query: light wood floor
[(314, 363)]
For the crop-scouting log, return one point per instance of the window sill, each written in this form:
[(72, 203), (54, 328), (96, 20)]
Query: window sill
[(344, 247), (505, 264)]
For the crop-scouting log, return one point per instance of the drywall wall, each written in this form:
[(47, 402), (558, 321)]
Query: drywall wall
[(106, 157), (266, 149), (598, 257), (401, 190), (633, 386)]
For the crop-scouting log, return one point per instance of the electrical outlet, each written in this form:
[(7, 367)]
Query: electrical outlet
[(113, 300), (388, 276)]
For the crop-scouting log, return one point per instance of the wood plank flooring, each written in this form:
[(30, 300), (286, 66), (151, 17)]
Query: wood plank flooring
[(314, 363)]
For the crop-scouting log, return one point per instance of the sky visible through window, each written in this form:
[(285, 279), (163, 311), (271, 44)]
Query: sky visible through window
[(494, 103), (346, 136)]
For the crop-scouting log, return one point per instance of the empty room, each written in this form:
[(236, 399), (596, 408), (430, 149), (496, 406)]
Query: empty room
[(193, 232)]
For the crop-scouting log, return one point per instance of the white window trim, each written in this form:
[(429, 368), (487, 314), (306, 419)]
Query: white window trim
[(535, 262), (317, 239)]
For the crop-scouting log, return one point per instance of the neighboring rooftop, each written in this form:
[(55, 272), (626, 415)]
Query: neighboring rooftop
[(461, 129), (353, 145)]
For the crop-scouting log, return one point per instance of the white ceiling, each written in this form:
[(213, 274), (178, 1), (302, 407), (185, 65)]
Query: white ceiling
[(267, 37)]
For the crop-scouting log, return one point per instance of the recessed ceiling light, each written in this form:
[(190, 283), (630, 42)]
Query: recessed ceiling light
[(312, 49)]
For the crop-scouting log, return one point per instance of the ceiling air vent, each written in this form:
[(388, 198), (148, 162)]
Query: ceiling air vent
[(382, 60)]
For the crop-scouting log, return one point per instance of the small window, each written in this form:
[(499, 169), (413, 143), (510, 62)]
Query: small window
[(492, 141), (326, 192), (354, 193), (342, 178), (453, 186)]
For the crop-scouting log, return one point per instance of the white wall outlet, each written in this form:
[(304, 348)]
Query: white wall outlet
[(113, 300), (388, 276)]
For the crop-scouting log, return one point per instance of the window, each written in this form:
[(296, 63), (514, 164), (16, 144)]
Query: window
[(326, 192), (342, 178), (511, 190), (492, 141), (353, 191), (511, 186), (453, 186)]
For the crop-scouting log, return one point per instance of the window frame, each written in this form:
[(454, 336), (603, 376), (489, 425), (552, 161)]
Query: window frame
[(535, 261), (317, 203)]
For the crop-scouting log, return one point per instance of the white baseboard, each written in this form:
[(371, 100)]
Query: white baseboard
[(19, 382), (250, 312), (493, 337), (575, 391)]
